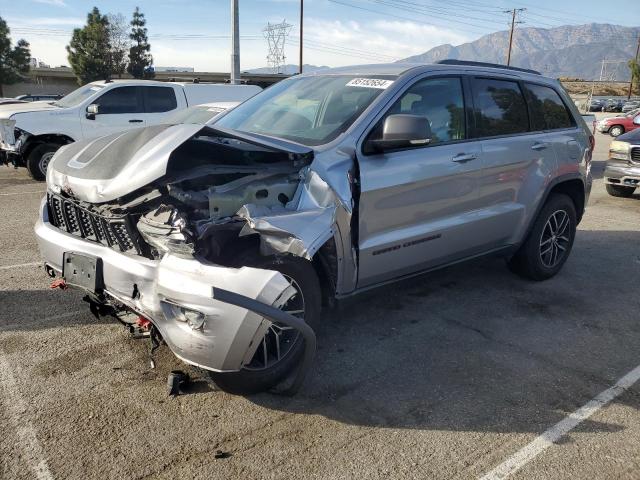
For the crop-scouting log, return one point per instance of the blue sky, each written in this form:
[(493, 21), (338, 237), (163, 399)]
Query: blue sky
[(195, 33)]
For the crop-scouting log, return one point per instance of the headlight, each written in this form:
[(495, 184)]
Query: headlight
[(619, 150), (164, 229), (193, 318)]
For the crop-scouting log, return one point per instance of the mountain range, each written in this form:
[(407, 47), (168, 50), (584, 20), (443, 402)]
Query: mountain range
[(568, 51), (574, 51)]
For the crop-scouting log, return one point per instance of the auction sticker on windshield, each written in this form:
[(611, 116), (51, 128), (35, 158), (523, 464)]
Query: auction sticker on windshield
[(370, 83)]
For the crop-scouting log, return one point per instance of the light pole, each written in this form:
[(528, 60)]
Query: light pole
[(235, 43), (301, 29)]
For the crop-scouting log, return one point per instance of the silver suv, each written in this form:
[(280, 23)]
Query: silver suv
[(226, 239)]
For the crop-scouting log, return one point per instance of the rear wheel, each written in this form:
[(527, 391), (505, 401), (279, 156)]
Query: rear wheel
[(39, 159), (619, 190), (616, 130), (282, 347), (548, 245)]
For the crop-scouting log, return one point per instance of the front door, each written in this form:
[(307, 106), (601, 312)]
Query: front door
[(119, 109), (417, 206)]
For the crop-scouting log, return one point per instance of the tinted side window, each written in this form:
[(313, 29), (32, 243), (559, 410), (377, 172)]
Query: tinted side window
[(441, 101), (119, 100), (548, 111), (499, 107), (159, 99)]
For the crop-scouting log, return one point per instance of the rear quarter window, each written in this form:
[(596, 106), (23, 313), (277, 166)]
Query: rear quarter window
[(499, 107), (548, 111), (159, 99)]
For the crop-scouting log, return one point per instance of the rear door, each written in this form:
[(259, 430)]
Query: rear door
[(517, 162), (549, 113), (119, 109), (159, 102), (417, 205)]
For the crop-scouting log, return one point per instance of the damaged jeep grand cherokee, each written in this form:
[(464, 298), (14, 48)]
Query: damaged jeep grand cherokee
[(227, 239)]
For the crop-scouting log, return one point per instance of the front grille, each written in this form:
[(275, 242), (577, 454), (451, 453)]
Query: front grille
[(117, 232), (635, 154)]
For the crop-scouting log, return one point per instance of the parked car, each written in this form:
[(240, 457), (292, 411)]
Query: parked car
[(227, 239), (612, 105), (31, 133), (10, 101), (622, 171), (630, 105), (618, 125), (595, 106), (39, 97)]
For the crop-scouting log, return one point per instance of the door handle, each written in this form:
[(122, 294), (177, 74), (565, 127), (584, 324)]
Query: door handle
[(464, 157), (135, 121), (539, 146)]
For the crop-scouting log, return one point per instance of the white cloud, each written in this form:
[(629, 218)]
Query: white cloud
[(374, 42), (57, 3)]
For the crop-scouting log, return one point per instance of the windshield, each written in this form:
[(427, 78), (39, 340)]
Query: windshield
[(308, 110), (198, 115), (78, 96)]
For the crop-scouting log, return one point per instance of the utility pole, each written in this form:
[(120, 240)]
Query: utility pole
[(301, 29), (631, 81), (513, 13), (235, 43)]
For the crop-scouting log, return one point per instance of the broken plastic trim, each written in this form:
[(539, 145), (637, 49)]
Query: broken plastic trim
[(275, 315)]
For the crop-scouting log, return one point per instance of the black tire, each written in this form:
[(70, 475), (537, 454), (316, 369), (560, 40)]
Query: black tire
[(531, 261), (619, 190), (616, 130), (39, 160), (248, 381)]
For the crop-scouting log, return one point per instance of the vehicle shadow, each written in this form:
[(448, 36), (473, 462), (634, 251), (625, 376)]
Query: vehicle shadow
[(475, 348), (470, 348)]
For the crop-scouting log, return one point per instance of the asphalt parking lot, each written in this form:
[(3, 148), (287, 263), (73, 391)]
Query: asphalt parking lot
[(444, 376)]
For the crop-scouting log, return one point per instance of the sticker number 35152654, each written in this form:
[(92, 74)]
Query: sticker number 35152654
[(370, 83)]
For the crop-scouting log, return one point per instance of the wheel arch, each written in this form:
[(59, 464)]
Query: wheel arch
[(34, 140)]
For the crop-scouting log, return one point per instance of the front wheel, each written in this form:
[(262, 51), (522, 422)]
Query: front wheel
[(619, 190), (39, 159), (282, 347), (548, 245), (616, 131)]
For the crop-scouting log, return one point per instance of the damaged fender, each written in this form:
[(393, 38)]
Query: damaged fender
[(301, 231)]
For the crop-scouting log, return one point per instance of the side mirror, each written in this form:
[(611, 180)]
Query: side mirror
[(403, 131), (92, 111)]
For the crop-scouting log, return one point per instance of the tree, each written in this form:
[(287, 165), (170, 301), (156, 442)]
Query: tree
[(634, 66), (14, 62), (90, 51), (119, 42), (139, 57)]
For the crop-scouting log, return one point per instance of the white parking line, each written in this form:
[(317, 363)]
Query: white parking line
[(548, 438), (22, 193), (30, 264), (16, 410)]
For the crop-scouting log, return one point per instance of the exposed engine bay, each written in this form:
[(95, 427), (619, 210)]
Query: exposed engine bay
[(218, 196)]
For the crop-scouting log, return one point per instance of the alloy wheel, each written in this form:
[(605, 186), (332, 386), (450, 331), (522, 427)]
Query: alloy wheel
[(279, 339), (44, 162), (555, 238)]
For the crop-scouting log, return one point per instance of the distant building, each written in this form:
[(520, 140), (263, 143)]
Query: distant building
[(174, 69), (35, 63)]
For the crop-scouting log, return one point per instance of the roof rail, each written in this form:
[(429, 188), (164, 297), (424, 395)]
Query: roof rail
[(451, 61)]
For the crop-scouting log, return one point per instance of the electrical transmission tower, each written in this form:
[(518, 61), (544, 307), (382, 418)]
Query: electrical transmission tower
[(276, 35)]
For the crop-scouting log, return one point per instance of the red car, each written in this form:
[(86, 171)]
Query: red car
[(618, 125)]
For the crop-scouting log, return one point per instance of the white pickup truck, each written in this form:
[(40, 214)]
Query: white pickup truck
[(31, 133)]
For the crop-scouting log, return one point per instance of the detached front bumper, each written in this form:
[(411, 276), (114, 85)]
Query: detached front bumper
[(154, 288)]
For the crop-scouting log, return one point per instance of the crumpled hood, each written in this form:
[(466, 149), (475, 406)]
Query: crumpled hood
[(7, 110), (107, 168)]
